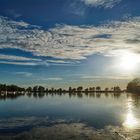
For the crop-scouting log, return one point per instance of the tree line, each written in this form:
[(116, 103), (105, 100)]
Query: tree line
[(133, 86), (41, 89)]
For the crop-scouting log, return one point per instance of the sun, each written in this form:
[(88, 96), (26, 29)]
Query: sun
[(129, 61)]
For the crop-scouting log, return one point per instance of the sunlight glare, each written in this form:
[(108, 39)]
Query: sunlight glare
[(129, 61), (130, 121)]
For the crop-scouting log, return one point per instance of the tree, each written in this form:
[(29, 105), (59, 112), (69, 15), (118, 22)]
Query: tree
[(29, 89), (117, 89), (47, 90), (74, 90), (3, 87), (60, 90), (92, 89), (35, 88), (79, 89), (98, 88), (86, 90), (134, 86), (106, 89), (70, 89), (41, 89)]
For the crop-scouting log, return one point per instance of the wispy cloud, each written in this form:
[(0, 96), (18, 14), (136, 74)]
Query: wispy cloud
[(70, 42), (62, 61), (101, 3), (18, 58), (76, 9), (52, 79), (25, 74), (13, 13), (120, 77), (19, 63)]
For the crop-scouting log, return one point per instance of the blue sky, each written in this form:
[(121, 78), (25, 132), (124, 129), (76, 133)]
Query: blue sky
[(69, 42)]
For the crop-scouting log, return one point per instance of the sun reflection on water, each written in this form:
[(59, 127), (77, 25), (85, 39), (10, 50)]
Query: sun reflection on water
[(131, 122)]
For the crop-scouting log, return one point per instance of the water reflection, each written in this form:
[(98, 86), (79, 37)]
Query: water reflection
[(131, 121), (77, 95), (95, 109)]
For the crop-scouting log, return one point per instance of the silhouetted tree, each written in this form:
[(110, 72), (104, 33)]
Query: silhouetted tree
[(3, 87), (35, 89), (41, 89), (98, 88), (117, 89), (74, 90), (106, 89), (93, 88), (29, 89), (46, 90), (79, 89), (60, 90), (86, 91), (112, 88), (70, 90), (134, 86)]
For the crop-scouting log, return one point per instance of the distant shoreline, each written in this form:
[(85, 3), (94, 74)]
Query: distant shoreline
[(133, 86), (14, 89)]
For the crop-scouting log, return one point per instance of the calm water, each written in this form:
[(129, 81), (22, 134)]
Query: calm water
[(97, 110)]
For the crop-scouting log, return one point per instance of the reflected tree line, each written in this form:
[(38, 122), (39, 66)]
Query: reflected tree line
[(135, 99)]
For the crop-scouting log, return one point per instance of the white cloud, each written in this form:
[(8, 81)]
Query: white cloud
[(102, 3), (70, 42)]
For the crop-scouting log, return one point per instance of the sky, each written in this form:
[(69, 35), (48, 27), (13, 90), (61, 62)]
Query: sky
[(61, 43)]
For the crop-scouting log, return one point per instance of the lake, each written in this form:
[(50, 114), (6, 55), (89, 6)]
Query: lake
[(95, 110)]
